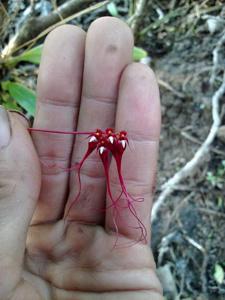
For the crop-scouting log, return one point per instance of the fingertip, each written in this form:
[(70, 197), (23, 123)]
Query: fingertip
[(62, 30), (119, 27), (139, 71), (114, 39), (61, 64), (139, 101)]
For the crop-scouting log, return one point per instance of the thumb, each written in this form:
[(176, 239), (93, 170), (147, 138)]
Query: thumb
[(19, 189)]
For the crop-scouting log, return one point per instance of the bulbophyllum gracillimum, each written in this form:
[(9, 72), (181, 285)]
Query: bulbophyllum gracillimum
[(107, 143)]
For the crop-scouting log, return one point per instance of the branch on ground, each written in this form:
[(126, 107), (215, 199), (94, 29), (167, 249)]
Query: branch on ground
[(136, 17), (199, 158), (35, 25)]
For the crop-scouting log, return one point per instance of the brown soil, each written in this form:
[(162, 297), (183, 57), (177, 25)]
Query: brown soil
[(189, 233)]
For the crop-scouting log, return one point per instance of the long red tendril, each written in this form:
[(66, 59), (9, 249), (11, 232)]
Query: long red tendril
[(107, 143)]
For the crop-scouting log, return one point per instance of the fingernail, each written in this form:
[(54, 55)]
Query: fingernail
[(5, 128)]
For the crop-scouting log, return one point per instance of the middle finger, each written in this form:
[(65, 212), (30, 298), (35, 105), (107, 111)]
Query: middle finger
[(109, 44)]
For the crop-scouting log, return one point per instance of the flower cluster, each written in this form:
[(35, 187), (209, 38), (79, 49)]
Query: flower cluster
[(108, 140), (108, 144)]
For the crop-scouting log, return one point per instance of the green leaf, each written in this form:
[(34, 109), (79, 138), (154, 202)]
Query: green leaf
[(139, 53), (218, 274), (24, 96), (4, 85), (112, 9), (8, 102), (32, 55)]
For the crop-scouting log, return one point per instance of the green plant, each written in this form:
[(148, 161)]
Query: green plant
[(18, 94), (32, 55), (217, 179)]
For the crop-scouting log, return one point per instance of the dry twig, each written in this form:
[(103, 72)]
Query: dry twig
[(136, 18), (196, 141), (167, 86), (199, 157), (216, 58), (35, 26)]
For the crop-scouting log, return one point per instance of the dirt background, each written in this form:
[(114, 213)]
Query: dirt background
[(188, 235)]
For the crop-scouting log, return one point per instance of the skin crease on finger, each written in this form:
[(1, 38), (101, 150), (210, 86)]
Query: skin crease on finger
[(76, 260)]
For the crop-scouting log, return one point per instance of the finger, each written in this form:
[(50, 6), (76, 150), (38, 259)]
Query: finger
[(138, 113), (59, 85), (108, 50), (20, 180)]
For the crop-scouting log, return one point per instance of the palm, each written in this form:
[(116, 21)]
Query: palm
[(77, 258), (77, 262)]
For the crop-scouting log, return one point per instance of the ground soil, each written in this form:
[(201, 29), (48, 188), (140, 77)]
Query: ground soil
[(189, 233)]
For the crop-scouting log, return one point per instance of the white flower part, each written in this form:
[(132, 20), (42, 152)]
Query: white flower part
[(111, 139), (93, 139), (123, 142), (101, 149)]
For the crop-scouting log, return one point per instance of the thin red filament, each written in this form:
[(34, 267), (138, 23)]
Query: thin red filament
[(58, 131)]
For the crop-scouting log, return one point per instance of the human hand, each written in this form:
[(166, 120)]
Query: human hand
[(41, 255)]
